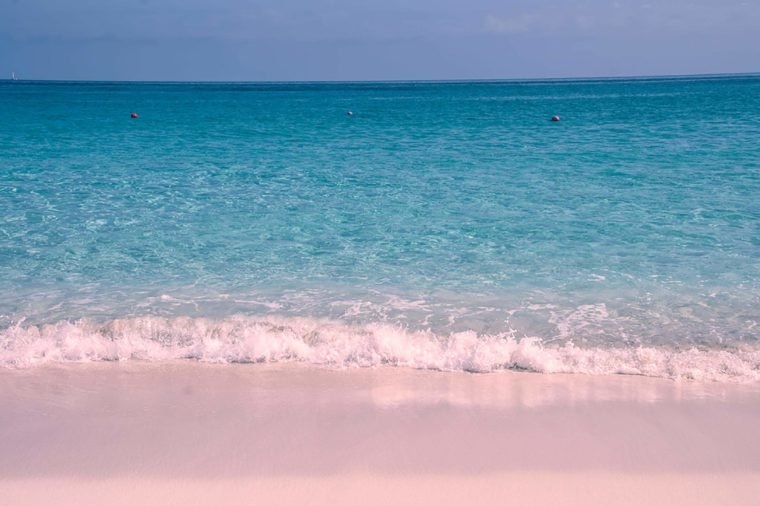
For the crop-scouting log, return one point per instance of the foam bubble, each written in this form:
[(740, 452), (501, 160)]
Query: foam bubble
[(244, 339)]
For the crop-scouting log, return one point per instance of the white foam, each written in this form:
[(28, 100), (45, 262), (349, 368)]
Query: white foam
[(334, 344), (583, 318)]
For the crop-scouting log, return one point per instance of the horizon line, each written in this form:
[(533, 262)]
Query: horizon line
[(391, 81)]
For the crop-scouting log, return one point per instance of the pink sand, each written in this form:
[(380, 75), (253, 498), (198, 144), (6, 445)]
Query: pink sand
[(200, 434)]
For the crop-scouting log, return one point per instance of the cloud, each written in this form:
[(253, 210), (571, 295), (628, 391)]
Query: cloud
[(517, 24), (603, 17), (536, 22)]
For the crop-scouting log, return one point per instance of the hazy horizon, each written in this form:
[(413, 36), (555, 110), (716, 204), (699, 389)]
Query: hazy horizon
[(369, 81)]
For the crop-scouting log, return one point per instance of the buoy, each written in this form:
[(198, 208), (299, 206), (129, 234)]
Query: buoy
[(350, 113), (555, 118), (133, 115)]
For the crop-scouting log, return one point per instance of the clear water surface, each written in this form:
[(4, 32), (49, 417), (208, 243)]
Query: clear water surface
[(444, 225)]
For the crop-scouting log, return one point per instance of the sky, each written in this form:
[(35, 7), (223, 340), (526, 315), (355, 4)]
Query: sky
[(283, 40)]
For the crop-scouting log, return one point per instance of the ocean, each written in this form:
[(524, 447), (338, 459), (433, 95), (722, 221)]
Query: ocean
[(440, 225)]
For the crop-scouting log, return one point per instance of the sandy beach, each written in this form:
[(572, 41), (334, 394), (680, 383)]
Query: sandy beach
[(288, 434)]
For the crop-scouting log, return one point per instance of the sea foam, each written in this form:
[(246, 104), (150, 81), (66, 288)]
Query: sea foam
[(327, 343)]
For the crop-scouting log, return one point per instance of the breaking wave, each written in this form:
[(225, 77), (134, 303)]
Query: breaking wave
[(327, 343)]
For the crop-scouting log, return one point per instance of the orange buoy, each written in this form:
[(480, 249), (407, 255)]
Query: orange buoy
[(555, 118), (133, 115)]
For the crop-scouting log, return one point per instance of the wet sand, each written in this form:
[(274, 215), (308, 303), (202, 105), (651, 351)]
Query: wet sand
[(121, 433)]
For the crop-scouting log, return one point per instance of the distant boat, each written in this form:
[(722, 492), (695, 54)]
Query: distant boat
[(13, 76)]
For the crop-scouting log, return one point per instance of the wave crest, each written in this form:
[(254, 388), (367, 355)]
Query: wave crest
[(243, 339)]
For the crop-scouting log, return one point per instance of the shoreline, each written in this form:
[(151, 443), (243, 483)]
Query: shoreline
[(205, 434), (318, 342)]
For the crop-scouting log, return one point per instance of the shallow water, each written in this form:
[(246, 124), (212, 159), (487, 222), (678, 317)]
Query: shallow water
[(442, 225)]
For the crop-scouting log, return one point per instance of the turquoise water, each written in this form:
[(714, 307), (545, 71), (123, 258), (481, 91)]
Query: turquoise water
[(441, 225)]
